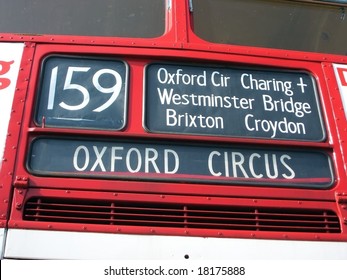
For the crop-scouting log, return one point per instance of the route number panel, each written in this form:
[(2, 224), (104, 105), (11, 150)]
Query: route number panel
[(82, 92)]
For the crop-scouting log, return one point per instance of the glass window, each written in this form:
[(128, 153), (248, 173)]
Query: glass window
[(121, 18), (291, 25)]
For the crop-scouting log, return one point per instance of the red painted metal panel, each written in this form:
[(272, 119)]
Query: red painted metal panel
[(170, 215), (9, 158)]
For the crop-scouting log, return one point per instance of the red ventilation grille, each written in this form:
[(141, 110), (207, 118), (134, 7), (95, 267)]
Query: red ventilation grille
[(150, 214)]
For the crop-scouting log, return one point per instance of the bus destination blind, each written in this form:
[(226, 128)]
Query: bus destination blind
[(232, 102), (180, 162)]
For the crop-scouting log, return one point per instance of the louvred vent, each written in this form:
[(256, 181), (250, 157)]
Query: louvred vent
[(131, 213)]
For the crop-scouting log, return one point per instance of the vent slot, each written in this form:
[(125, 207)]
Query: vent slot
[(132, 213)]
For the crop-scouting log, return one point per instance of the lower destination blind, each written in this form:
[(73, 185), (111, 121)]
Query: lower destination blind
[(224, 164)]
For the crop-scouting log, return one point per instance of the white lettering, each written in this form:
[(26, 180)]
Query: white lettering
[(274, 127), (137, 158), (114, 157), (251, 165), (123, 159), (210, 163), (299, 109), (77, 157), (292, 173), (238, 164), (219, 80), (98, 161), (178, 77), (249, 82), (176, 161), (194, 121), (151, 159), (255, 165)]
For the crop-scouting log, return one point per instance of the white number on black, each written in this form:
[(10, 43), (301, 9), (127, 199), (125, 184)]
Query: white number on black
[(68, 85)]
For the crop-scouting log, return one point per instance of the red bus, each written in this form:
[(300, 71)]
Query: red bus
[(173, 129)]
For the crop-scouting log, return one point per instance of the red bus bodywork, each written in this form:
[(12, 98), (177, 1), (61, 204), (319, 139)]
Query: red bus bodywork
[(160, 207)]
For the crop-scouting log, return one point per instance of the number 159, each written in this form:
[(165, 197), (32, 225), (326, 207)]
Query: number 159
[(83, 91)]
